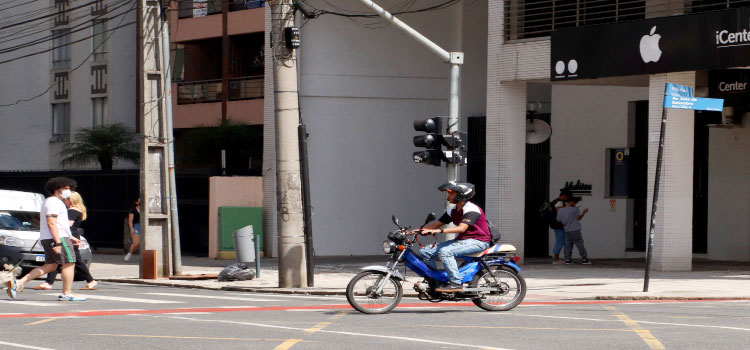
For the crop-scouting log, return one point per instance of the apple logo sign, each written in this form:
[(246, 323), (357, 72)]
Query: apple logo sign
[(572, 66), (650, 51)]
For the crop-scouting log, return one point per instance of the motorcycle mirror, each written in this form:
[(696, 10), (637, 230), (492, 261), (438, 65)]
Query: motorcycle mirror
[(395, 220), (430, 218)]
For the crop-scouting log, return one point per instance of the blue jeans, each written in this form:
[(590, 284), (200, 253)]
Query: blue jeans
[(448, 251), (559, 241)]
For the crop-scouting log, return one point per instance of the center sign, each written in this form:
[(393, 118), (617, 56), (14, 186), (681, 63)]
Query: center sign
[(710, 40)]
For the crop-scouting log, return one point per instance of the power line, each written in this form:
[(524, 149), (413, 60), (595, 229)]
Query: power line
[(54, 35), (57, 13)]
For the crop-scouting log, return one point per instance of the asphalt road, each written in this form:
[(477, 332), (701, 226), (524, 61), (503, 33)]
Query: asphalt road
[(122, 316)]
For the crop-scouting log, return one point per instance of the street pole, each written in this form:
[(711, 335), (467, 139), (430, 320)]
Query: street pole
[(292, 268), (154, 171), (655, 199), (455, 59), (167, 74)]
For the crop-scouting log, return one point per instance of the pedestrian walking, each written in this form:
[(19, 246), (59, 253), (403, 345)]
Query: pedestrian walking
[(76, 215), (56, 240), (134, 223), (570, 216)]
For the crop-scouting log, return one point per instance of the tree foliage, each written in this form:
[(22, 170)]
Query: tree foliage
[(103, 144)]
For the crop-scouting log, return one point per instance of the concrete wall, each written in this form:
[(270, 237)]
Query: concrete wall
[(585, 121), (235, 191), (362, 86), (729, 193)]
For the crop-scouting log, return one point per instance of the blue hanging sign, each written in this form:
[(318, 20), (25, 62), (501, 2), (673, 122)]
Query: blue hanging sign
[(678, 90), (694, 103)]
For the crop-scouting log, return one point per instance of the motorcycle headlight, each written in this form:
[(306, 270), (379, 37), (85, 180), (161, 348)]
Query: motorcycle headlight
[(389, 247), (11, 241)]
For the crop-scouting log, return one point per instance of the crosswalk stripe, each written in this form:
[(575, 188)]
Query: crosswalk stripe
[(30, 303), (209, 297), (127, 300)]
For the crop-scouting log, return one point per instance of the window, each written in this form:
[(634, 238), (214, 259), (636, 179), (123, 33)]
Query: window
[(100, 40), (60, 122), (61, 48), (99, 111)]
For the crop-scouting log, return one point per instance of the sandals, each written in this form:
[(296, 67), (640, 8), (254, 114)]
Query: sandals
[(90, 286), (43, 286)]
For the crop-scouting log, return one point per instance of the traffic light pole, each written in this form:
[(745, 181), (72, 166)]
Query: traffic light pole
[(455, 59)]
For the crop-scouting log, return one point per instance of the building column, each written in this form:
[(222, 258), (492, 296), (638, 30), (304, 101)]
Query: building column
[(505, 154), (673, 237)]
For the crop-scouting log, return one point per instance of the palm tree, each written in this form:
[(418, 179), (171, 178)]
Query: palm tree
[(102, 143)]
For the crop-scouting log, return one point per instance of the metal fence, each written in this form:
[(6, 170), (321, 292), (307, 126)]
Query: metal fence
[(108, 195), (200, 91)]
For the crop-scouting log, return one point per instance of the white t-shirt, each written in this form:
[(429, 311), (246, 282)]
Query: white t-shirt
[(52, 206)]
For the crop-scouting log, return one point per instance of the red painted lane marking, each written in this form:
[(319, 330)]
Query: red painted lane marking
[(94, 313)]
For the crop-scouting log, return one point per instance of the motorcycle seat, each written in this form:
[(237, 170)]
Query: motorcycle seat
[(495, 249)]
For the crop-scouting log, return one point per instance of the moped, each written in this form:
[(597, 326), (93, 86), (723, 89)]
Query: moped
[(494, 280)]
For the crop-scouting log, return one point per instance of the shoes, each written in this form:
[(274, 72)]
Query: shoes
[(568, 262), (586, 262), (450, 288), (12, 292), (70, 297), (127, 257)]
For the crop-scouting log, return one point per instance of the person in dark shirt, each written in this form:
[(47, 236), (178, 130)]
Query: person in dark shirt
[(134, 222), (76, 214), (470, 225), (557, 226)]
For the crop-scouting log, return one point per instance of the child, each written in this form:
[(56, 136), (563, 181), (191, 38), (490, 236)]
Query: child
[(570, 217)]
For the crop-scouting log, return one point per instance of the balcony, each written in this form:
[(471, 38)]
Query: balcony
[(206, 91), (201, 91), (246, 88), (197, 8)]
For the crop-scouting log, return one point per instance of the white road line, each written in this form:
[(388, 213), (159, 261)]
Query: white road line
[(31, 303), (417, 340), (208, 297), (638, 321), (23, 346), (127, 300)]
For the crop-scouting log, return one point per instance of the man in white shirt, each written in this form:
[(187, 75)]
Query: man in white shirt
[(56, 240)]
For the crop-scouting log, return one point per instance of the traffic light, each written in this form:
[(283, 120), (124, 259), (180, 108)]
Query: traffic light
[(434, 140), (430, 141)]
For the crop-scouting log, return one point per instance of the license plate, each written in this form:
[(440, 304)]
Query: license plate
[(39, 258)]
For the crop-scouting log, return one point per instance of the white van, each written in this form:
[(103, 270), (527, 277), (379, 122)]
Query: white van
[(19, 230)]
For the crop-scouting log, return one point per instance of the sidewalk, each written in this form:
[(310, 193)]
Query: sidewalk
[(606, 279)]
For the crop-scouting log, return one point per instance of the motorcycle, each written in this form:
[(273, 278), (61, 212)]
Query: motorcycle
[(494, 280)]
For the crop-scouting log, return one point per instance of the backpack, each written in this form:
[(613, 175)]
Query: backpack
[(547, 213), (494, 232)]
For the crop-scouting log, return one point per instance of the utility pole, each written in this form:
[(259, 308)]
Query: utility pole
[(154, 112), (292, 267)]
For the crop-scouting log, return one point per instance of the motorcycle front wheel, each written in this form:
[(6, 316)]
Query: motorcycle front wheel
[(511, 285), (362, 292)]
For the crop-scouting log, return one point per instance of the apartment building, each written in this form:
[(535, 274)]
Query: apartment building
[(66, 64)]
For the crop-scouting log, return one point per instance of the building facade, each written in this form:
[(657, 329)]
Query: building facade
[(66, 64), (364, 82)]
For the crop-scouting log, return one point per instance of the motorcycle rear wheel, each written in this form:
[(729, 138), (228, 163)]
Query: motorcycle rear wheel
[(361, 292), (511, 282)]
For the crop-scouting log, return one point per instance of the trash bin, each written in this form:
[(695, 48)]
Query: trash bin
[(244, 244)]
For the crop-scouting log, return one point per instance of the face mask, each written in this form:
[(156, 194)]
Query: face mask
[(66, 194)]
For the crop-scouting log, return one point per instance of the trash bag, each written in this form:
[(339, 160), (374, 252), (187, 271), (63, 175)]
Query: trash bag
[(236, 272)]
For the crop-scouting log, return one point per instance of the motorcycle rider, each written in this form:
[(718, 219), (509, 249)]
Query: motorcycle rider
[(470, 225)]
